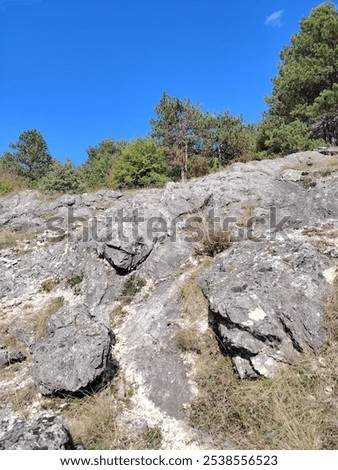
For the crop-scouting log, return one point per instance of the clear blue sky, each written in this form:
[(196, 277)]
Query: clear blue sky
[(80, 71)]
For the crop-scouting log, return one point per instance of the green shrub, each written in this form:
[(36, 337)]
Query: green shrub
[(141, 164), (74, 281), (131, 287), (276, 137), (62, 178)]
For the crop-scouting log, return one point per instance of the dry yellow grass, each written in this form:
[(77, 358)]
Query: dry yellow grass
[(41, 316), (9, 239), (295, 410), (93, 424)]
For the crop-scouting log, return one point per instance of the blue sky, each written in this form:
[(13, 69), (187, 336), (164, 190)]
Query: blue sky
[(80, 71)]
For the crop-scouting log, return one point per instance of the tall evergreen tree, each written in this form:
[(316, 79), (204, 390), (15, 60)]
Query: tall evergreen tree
[(306, 87), (31, 157), (176, 129)]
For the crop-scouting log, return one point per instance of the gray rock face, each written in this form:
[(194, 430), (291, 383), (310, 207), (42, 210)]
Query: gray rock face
[(126, 257), (328, 150), (266, 303), (44, 433), (78, 349), (266, 292), (10, 356)]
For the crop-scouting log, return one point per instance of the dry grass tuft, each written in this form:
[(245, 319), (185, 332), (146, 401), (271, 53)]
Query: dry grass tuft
[(93, 424), (41, 317), (49, 284), (323, 167), (187, 340), (213, 243), (295, 410), (246, 219), (10, 182), (9, 239), (191, 297)]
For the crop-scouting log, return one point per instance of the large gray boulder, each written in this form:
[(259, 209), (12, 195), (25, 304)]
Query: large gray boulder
[(74, 355), (44, 433), (266, 303)]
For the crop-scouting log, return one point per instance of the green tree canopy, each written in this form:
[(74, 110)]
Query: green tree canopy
[(178, 130), (194, 140), (306, 87), (141, 163), (226, 137), (62, 178), (99, 163), (31, 157)]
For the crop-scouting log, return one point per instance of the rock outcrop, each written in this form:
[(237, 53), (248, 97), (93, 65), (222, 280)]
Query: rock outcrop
[(44, 433), (266, 303), (266, 292), (10, 356), (78, 349)]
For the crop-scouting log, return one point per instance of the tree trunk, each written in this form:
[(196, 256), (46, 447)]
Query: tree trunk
[(184, 169)]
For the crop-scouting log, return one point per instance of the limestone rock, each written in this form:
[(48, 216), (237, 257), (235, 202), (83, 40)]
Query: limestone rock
[(10, 356), (77, 348), (125, 257), (266, 303), (44, 433)]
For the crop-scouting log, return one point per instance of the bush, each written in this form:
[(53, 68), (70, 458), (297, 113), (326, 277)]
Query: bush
[(276, 137), (213, 243), (62, 178), (198, 166), (97, 168), (141, 164), (10, 182)]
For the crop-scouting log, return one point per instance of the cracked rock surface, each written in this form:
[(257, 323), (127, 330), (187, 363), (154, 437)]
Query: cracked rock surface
[(44, 433), (266, 303), (266, 292)]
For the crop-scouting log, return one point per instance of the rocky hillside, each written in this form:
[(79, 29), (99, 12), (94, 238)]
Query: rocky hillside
[(110, 303)]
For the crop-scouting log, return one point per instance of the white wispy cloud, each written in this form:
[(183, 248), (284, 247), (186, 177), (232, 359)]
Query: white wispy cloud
[(275, 19), (5, 4)]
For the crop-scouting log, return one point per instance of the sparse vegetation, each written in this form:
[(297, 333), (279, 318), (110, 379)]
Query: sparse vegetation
[(49, 284), (152, 438), (131, 287), (288, 412), (193, 302), (331, 315), (10, 182), (74, 281), (93, 424), (324, 167), (213, 243), (295, 410), (9, 239), (9, 340), (21, 397), (187, 340), (246, 219), (41, 317)]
